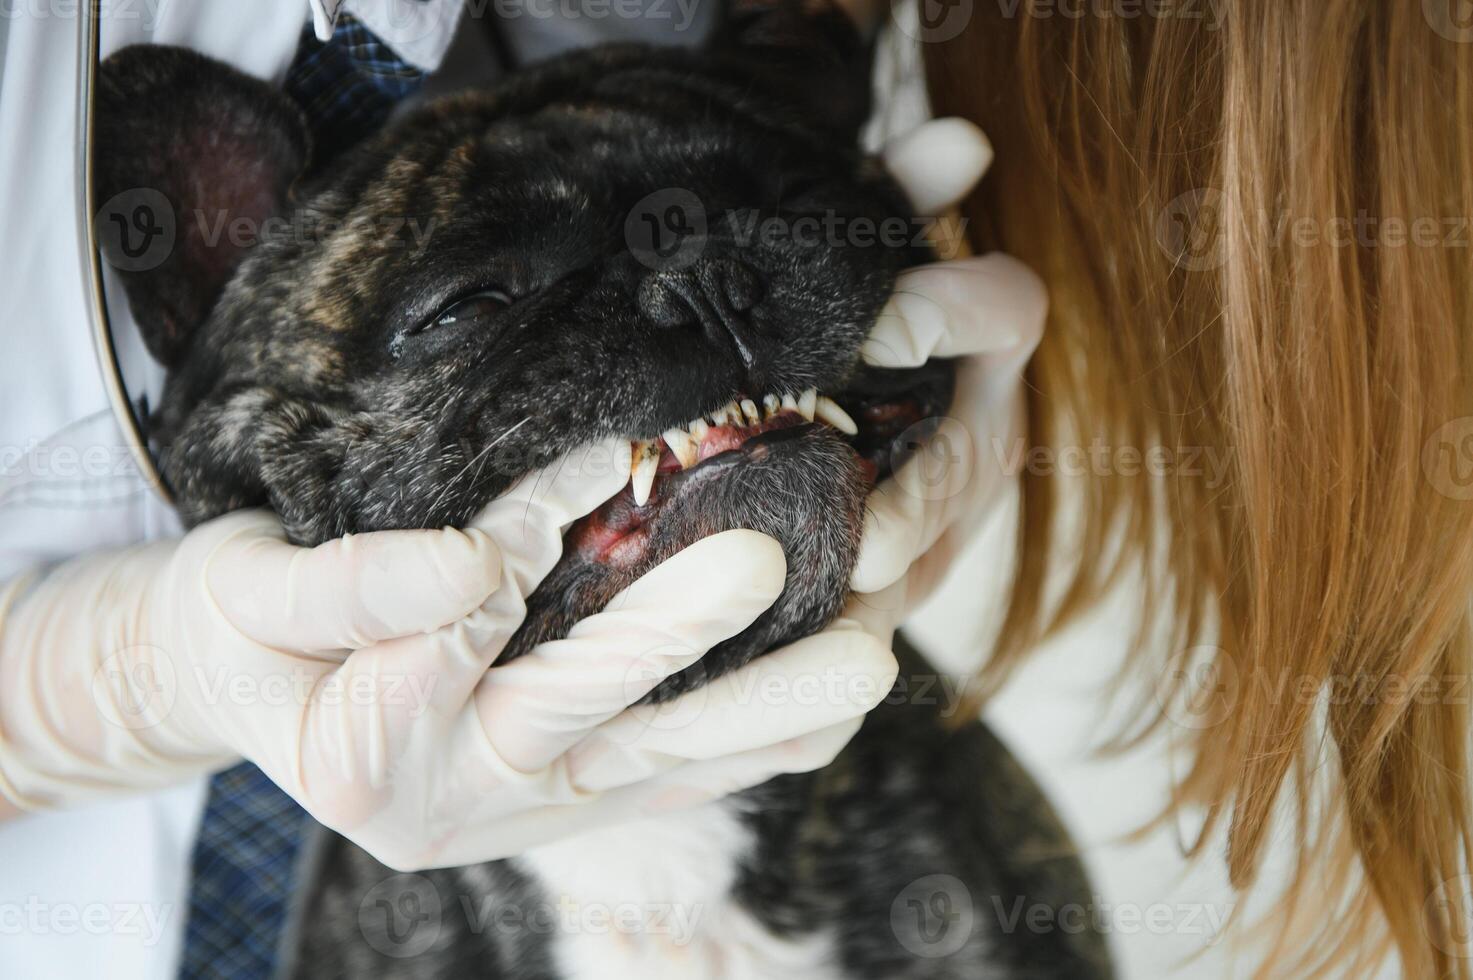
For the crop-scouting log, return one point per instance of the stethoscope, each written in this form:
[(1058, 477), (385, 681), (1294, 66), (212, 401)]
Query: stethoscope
[(94, 293)]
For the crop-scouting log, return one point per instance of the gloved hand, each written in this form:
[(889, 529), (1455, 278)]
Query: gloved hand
[(355, 674), (986, 311)]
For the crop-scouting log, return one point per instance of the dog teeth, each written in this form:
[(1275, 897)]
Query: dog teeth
[(728, 414), (642, 476), (686, 449), (808, 403), (685, 442), (829, 411)]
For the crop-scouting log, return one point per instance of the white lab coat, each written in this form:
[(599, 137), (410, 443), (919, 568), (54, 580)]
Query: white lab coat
[(100, 890)]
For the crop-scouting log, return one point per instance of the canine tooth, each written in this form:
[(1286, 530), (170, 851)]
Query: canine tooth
[(646, 462), (682, 445), (807, 402), (770, 404), (749, 409), (626, 459), (790, 403), (828, 410)]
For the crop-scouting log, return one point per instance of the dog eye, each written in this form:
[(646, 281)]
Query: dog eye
[(482, 306)]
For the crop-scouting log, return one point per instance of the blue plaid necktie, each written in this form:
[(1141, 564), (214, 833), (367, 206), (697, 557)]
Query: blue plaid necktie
[(246, 856), (347, 86), (243, 867)]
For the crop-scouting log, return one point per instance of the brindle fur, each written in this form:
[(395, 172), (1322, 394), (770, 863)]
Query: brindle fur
[(297, 381)]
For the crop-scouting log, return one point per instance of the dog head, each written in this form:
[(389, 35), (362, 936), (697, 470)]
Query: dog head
[(684, 249)]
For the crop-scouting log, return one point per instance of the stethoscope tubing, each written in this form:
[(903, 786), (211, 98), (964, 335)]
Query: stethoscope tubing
[(94, 293)]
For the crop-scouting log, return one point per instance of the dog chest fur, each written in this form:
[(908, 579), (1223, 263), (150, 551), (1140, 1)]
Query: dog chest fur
[(653, 899)]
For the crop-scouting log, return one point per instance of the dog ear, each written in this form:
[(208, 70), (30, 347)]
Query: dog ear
[(808, 52), (192, 158)]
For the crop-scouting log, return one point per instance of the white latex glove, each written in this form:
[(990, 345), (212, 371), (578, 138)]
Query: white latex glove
[(986, 311), (355, 674)]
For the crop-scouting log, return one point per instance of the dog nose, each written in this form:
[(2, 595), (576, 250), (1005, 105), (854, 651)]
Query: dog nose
[(716, 295)]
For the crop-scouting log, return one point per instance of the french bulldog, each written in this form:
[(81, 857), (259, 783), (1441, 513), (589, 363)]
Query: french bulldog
[(657, 244)]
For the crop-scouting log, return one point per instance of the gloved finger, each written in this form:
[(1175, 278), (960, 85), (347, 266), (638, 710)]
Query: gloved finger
[(682, 785), (528, 520), (527, 524), (988, 304), (360, 716), (907, 512), (953, 479), (536, 707), (814, 683), (349, 592), (938, 163), (881, 612), (703, 781), (928, 571)]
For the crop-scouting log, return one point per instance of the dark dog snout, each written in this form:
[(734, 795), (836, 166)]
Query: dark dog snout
[(716, 296)]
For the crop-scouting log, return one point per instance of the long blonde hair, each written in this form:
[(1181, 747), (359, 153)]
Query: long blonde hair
[(1253, 217)]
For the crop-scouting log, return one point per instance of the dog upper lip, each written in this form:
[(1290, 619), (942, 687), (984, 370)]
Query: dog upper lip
[(687, 442)]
